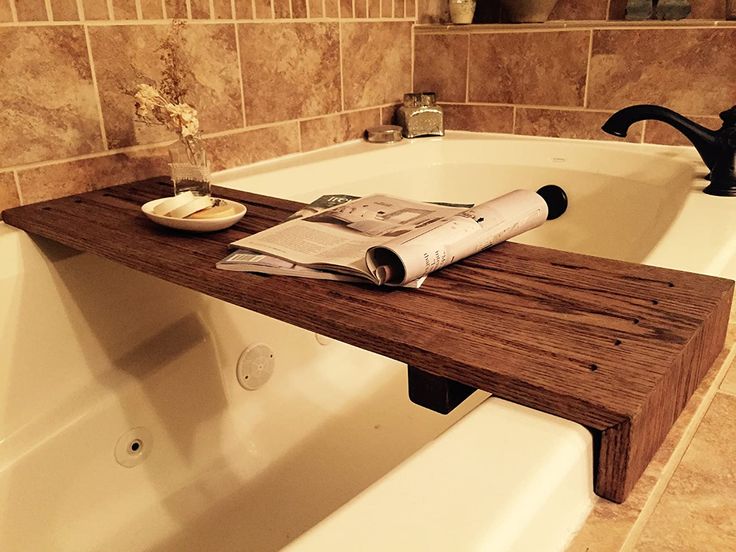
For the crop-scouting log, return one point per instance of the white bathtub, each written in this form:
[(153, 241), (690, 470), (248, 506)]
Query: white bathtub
[(95, 357)]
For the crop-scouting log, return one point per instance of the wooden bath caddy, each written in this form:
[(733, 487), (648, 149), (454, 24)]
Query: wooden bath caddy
[(614, 346)]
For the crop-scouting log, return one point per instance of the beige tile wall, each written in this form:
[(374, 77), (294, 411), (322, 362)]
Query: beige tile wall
[(272, 77), (565, 80), (269, 78)]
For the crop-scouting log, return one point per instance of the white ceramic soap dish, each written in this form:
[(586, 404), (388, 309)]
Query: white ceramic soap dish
[(188, 220)]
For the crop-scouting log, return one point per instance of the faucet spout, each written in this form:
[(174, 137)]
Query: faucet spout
[(704, 139)]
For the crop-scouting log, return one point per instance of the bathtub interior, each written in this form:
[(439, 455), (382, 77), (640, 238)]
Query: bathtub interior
[(98, 352)]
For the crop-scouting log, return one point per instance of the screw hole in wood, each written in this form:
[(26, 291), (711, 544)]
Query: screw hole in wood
[(617, 342), (636, 320), (593, 367)]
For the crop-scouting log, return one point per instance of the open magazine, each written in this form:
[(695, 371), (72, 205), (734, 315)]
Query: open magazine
[(383, 239)]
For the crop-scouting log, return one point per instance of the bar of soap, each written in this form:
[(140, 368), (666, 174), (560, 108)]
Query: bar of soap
[(221, 210), (179, 200), (197, 204)]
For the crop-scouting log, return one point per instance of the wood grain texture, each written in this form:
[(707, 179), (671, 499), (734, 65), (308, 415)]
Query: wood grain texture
[(614, 346)]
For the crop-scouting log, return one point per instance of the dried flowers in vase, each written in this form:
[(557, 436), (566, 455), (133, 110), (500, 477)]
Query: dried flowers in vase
[(163, 104)]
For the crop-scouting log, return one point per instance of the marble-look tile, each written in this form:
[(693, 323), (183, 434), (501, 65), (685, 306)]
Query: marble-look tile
[(31, 10), (660, 133), (200, 9), (243, 9), (609, 525), (263, 9), (281, 9), (223, 9), (335, 129), (479, 118), (64, 10), (388, 114), (50, 110), (332, 8), (346, 9), (684, 69), (176, 9), (539, 68), (376, 61), (387, 8), (411, 8), (728, 385), (360, 8), (398, 8), (214, 86), (708, 9), (303, 80), (617, 10), (315, 8), (124, 10), (374, 9), (434, 12), (8, 193), (440, 65), (558, 123), (95, 10), (580, 10), (698, 508), (254, 145), (74, 177), (299, 9), (6, 15), (152, 9)]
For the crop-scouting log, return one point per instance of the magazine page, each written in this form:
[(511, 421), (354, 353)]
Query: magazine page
[(414, 255), (340, 236)]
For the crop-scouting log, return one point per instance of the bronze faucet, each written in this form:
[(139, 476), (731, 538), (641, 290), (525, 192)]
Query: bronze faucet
[(716, 147)]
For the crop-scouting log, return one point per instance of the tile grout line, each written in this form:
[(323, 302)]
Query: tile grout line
[(643, 132), (240, 74), (467, 71), (342, 69), (253, 9), (17, 187), (138, 9), (608, 10), (95, 87), (160, 21), (110, 10), (80, 11), (299, 136), (273, 9), (49, 10), (163, 9), (587, 69), (513, 119), (678, 453), (154, 145), (308, 11), (233, 13), (189, 9), (14, 11), (212, 9)]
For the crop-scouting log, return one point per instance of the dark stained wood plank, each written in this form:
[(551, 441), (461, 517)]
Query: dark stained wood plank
[(614, 346)]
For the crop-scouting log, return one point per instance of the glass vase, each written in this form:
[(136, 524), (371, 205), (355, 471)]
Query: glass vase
[(190, 171)]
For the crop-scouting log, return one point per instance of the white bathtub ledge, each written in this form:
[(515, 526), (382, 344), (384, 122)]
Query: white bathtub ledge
[(465, 490)]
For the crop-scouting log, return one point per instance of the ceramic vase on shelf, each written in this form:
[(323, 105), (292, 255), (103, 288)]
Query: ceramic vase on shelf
[(190, 170), (527, 11), (461, 11)]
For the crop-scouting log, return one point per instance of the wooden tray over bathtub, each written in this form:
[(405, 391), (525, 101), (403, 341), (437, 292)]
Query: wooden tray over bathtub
[(614, 346)]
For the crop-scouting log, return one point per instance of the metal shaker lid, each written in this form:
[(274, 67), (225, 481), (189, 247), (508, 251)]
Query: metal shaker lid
[(383, 134)]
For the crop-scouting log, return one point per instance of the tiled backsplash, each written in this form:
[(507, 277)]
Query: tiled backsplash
[(269, 77), (564, 80), (273, 77)]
